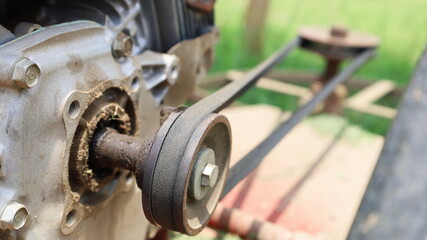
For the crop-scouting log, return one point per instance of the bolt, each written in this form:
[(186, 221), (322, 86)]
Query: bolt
[(25, 73), (209, 175), (13, 216), (205, 174), (122, 45)]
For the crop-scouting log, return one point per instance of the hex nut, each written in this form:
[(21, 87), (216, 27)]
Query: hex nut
[(209, 175), (25, 73), (203, 174), (122, 46), (13, 216)]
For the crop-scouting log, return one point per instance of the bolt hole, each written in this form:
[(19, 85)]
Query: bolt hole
[(73, 111), (71, 217), (135, 84)]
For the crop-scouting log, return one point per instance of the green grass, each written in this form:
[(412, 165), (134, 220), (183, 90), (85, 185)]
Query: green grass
[(401, 26)]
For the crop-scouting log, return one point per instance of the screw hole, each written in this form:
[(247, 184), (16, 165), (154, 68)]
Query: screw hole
[(71, 217), (135, 84), (73, 111)]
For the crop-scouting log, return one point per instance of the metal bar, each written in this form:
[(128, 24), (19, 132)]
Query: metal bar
[(249, 162)]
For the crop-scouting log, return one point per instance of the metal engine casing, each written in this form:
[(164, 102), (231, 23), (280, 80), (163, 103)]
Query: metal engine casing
[(37, 132), (38, 124)]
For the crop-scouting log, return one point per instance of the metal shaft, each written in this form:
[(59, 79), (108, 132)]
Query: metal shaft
[(112, 149)]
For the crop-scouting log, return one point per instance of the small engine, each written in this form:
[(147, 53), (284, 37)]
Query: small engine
[(69, 68)]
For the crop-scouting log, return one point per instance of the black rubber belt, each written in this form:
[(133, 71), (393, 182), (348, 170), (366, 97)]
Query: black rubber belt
[(249, 162), (169, 160)]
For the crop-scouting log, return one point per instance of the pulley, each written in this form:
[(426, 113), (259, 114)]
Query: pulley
[(177, 193)]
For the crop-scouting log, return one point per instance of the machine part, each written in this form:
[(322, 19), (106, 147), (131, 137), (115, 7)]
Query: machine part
[(204, 169), (100, 113), (122, 45), (13, 216), (5, 35), (77, 85), (79, 89), (336, 42), (155, 25), (245, 226), (190, 211), (397, 191), (198, 55), (25, 73), (161, 72), (24, 28), (182, 23), (209, 175), (334, 45)]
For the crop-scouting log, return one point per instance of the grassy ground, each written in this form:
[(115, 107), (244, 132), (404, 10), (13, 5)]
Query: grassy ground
[(399, 24)]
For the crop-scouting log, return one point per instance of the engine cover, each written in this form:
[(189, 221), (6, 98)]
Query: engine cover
[(57, 85)]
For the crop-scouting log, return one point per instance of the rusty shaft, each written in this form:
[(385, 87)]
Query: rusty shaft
[(112, 149)]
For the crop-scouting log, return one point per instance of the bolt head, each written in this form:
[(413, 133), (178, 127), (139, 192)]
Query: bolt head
[(14, 216), (209, 175), (204, 174), (25, 73), (122, 45)]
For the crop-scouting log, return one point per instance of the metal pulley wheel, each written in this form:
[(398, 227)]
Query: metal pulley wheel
[(336, 42), (182, 192), (178, 193)]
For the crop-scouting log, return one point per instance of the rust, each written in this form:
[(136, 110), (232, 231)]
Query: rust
[(81, 160), (202, 5), (110, 148)]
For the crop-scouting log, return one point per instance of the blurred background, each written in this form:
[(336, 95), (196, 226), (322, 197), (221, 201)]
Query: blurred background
[(400, 25)]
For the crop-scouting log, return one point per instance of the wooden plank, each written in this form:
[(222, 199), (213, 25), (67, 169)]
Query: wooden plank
[(273, 85), (372, 93), (363, 101), (375, 109)]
